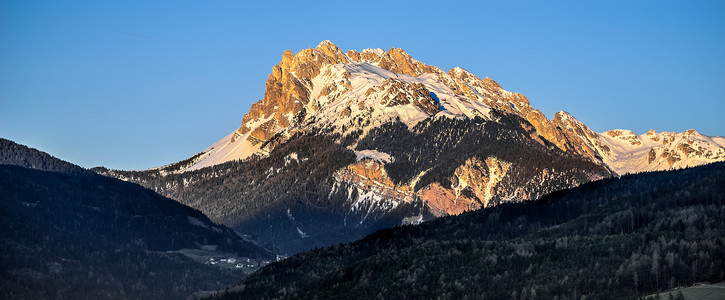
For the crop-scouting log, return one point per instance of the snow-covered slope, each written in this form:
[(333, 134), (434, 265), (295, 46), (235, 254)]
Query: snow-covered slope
[(626, 152), (232, 147), (719, 140)]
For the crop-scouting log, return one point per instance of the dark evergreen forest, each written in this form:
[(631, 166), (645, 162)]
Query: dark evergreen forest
[(440, 145), (619, 238), (15, 154)]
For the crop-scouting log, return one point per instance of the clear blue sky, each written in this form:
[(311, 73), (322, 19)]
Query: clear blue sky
[(138, 84)]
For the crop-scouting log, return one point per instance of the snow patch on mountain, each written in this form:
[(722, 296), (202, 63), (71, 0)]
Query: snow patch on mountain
[(302, 233), (375, 155), (227, 149)]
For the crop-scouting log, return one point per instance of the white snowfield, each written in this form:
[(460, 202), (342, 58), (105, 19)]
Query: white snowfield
[(225, 150), (365, 97), (381, 157)]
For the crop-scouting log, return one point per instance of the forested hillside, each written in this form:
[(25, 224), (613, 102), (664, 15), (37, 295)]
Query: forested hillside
[(436, 147), (15, 154), (79, 235), (288, 199), (618, 238)]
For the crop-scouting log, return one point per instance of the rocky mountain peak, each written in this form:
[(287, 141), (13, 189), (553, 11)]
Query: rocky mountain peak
[(691, 133), (287, 91), (580, 138), (291, 84), (459, 72), (326, 43)]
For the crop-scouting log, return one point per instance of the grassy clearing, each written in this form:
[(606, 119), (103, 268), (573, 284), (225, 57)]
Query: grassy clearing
[(700, 291), (207, 252)]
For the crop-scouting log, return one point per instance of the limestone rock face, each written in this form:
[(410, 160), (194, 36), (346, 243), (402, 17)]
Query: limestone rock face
[(442, 201), (288, 90), (651, 156), (625, 135), (548, 130), (369, 177), (487, 91), (490, 92), (290, 85), (477, 179), (396, 93), (474, 185)]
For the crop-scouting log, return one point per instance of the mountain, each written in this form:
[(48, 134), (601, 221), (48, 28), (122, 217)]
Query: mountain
[(326, 89), (618, 238), (410, 142), (69, 233)]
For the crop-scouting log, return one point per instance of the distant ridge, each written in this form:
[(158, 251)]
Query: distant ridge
[(12, 153)]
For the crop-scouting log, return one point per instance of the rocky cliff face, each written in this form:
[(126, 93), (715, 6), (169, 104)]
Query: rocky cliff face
[(294, 81), (372, 184), (577, 135), (472, 188)]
